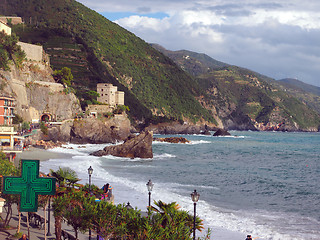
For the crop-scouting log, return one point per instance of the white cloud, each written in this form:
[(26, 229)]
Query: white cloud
[(147, 23), (278, 38)]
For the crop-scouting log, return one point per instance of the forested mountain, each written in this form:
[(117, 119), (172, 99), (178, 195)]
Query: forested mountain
[(242, 96), (98, 50), (306, 93), (182, 86)]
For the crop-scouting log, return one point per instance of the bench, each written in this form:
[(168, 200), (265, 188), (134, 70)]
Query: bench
[(67, 236), (36, 219)]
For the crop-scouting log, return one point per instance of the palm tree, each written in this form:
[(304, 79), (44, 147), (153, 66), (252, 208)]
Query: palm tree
[(65, 176), (176, 222)]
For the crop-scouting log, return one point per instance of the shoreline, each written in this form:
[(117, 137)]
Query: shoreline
[(122, 191), (39, 154)]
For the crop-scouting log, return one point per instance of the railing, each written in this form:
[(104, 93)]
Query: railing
[(11, 149)]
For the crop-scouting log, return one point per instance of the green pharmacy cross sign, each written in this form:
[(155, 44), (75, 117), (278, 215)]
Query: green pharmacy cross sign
[(29, 185)]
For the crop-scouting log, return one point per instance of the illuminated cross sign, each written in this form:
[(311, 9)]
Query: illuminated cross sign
[(29, 185)]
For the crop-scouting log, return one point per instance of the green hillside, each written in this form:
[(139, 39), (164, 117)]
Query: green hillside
[(192, 62), (306, 93), (243, 96), (295, 84), (159, 85), (98, 50)]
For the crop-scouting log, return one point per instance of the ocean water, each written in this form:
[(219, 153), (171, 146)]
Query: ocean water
[(260, 183)]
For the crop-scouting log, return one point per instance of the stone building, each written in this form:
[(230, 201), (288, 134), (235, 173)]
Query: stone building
[(109, 94), (93, 109), (4, 27)]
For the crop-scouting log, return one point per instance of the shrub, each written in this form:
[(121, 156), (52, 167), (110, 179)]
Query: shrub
[(44, 128)]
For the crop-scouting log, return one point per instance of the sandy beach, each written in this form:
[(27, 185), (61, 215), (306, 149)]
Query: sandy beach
[(38, 154)]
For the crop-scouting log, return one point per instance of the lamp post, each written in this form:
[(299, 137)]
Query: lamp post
[(128, 206), (49, 213), (149, 186), (195, 197), (90, 171)]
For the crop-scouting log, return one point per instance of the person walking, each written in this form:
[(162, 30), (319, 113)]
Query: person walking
[(24, 237)]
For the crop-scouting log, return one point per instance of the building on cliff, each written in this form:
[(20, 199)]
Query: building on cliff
[(11, 19), (6, 110), (33, 52), (4, 27), (109, 94)]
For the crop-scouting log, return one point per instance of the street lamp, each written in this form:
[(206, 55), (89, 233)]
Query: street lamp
[(195, 197), (149, 186), (128, 206), (49, 213), (90, 171)]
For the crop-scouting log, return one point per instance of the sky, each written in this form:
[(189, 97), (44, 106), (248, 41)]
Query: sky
[(277, 38)]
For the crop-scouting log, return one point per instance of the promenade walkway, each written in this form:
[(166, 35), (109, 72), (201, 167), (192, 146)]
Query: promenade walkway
[(35, 232)]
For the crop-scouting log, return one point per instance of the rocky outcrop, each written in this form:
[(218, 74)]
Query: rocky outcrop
[(178, 128), (36, 93), (93, 130), (134, 147), (89, 130), (206, 132), (47, 144), (221, 132), (172, 140)]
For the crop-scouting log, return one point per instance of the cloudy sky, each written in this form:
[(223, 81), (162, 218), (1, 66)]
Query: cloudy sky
[(278, 38)]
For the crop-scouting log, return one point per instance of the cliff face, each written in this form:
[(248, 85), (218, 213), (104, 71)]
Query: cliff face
[(36, 93), (92, 130)]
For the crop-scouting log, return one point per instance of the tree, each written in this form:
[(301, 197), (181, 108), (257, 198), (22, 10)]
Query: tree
[(63, 76), (10, 50), (65, 176), (8, 169), (173, 223), (120, 109), (44, 128), (76, 209), (17, 119)]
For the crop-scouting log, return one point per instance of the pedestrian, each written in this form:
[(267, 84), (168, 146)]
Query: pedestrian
[(24, 237), (249, 237)]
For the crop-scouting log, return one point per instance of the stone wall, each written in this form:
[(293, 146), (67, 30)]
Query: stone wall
[(14, 20), (98, 109), (33, 52)]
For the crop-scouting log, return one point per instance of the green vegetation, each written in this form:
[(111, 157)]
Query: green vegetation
[(10, 51), (44, 128), (76, 205), (245, 96), (63, 76), (97, 50), (17, 119), (79, 209), (8, 169)]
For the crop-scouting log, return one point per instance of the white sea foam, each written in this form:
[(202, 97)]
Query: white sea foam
[(163, 156), (199, 142)]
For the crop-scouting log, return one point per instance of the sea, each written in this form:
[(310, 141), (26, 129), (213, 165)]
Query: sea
[(261, 183)]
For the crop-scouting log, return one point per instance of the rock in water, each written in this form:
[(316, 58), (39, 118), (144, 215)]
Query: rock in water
[(134, 147), (221, 132), (172, 140)]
